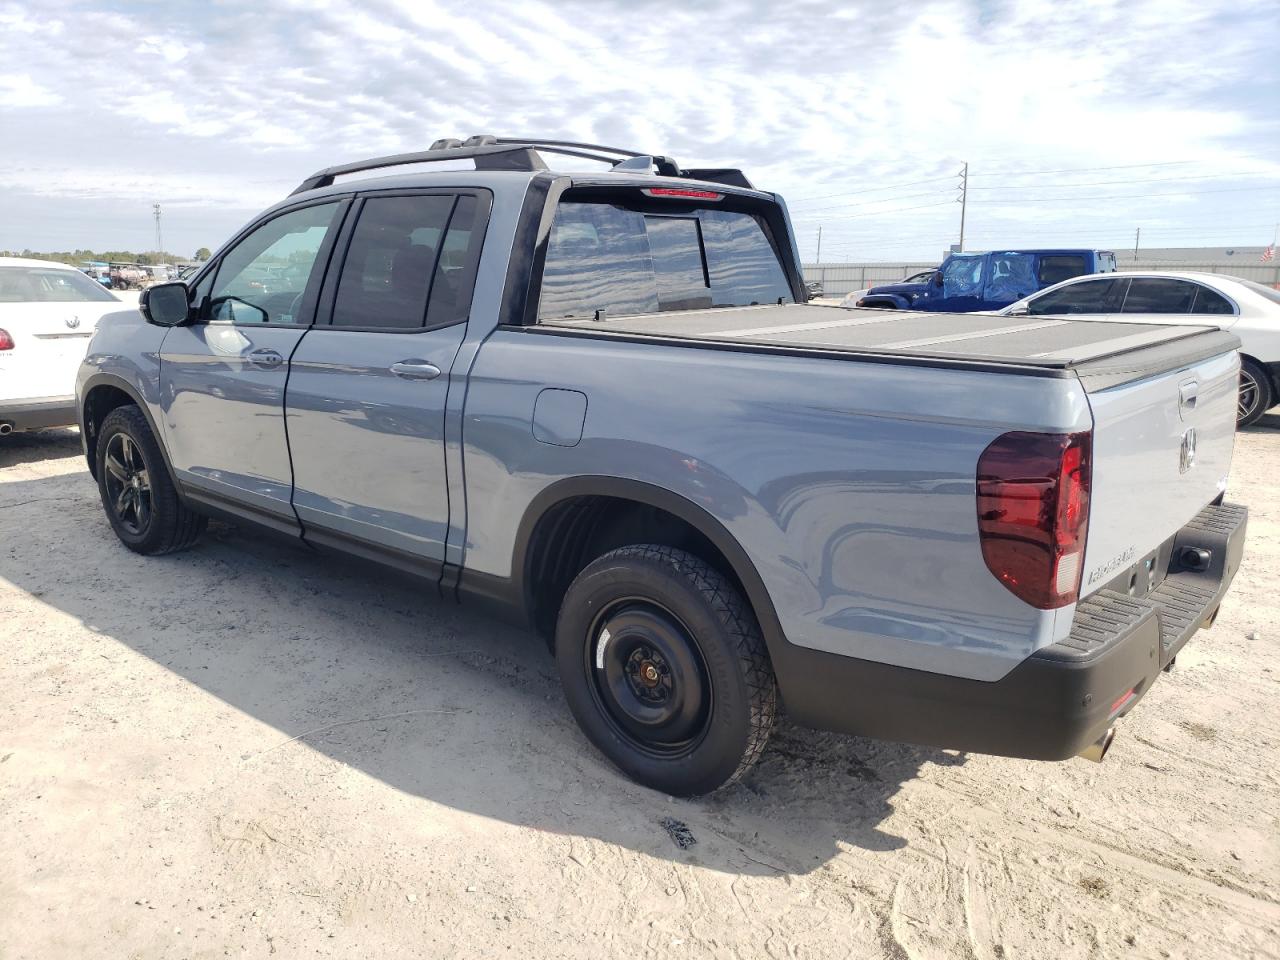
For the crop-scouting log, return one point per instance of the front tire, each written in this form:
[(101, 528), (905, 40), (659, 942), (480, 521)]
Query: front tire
[(139, 498), (665, 670), (1255, 393)]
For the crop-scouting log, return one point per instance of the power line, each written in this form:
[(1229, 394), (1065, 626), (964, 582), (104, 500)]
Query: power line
[(1123, 166), (869, 203), (1125, 196), (854, 193), (1103, 183), (874, 213)]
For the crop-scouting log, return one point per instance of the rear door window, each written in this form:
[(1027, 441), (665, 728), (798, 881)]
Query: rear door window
[(1159, 295), (409, 264), (1211, 302), (1011, 277), (620, 260), (390, 261), (1055, 268), (1086, 297)]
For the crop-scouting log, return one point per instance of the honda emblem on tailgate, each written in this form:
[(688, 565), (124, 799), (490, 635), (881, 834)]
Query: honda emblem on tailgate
[(1188, 458)]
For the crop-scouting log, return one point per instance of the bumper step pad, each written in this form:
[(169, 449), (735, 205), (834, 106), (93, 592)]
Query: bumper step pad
[(1183, 601)]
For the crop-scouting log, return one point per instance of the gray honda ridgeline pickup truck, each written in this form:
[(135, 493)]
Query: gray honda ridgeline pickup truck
[(600, 403)]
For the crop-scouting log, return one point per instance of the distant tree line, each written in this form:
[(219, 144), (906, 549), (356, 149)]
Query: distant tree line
[(77, 257)]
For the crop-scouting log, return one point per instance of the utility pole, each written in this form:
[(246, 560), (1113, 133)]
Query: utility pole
[(964, 201), (818, 259), (1136, 237), (159, 236)]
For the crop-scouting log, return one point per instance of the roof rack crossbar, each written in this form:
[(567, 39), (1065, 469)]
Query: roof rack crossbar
[(514, 153), (569, 143)]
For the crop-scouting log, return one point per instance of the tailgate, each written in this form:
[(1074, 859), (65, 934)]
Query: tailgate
[(1161, 452)]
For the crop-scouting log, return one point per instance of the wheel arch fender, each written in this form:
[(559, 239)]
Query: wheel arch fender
[(660, 498), (100, 382)]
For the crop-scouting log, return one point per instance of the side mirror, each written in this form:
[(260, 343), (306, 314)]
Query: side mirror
[(1022, 311), (165, 304), (937, 279)]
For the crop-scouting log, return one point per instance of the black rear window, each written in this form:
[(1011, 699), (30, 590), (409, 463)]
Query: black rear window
[(609, 257), (49, 285), (1058, 267)]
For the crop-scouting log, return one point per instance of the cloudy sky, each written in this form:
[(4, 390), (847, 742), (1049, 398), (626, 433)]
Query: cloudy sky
[(1080, 121)]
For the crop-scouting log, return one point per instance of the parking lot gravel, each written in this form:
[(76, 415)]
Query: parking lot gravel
[(249, 749)]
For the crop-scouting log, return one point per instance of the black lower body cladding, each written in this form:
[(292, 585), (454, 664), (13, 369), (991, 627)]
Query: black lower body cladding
[(1057, 701)]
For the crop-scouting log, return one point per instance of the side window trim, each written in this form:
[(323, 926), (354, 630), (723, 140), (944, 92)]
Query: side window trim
[(338, 258), (311, 293)]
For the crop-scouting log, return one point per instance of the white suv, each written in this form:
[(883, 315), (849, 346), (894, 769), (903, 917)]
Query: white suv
[(48, 312)]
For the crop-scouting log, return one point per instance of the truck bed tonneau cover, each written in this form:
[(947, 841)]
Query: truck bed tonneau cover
[(1101, 354)]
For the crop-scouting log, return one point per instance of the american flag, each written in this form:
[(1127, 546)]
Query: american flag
[(1268, 253)]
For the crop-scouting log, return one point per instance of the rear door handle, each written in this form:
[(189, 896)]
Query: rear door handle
[(266, 358), (415, 370)]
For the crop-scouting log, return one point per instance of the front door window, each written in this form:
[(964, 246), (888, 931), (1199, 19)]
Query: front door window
[(264, 278)]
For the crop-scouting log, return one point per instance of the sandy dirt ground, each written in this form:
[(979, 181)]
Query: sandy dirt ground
[(249, 750)]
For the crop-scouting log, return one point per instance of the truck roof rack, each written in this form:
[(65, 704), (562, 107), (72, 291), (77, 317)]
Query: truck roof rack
[(519, 153)]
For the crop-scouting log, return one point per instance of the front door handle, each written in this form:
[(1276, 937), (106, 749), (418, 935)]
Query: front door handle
[(415, 370), (266, 358)]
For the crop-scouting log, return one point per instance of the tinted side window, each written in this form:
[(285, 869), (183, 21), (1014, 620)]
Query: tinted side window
[(1056, 268), (612, 258), (455, 276), (1211, 302), (1088, 296), (390, 262), (1158, 295), (263, 278)]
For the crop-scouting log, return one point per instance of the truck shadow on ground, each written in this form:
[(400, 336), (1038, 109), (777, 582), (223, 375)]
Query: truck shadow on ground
[(428, 697)]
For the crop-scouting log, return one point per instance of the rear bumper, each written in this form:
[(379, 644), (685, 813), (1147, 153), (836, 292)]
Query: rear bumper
[(1057, 701), (37, 413)]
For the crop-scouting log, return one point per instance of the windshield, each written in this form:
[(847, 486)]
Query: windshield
[(603, 256), (48, 284)]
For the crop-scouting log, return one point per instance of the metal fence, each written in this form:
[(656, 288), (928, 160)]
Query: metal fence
[(837, 279)]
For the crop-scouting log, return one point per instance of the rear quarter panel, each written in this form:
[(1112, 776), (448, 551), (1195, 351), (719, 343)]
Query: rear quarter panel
[(849, 484)]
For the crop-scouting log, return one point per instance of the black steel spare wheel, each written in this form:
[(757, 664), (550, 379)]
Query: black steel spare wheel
[(665, 670), (128, 484), (649, 677)]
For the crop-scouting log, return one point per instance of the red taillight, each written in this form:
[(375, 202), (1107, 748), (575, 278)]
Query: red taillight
[(1033, 513), (6, 341), (678, 192)]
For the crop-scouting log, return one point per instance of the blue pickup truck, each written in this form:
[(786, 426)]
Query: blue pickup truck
[(988, 281)]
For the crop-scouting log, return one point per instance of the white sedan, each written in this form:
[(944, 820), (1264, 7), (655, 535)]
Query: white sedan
[(1249, 310), (48, 312)]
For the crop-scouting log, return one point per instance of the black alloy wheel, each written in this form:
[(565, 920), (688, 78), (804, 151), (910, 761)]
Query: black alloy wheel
[(138, 495), (128, 484)]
